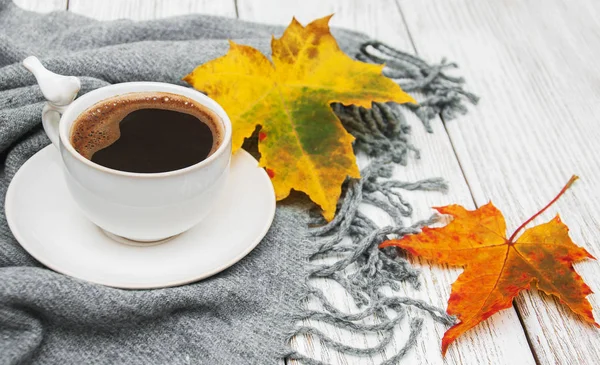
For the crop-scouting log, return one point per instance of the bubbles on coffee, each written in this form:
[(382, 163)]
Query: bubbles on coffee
[(147, 132)]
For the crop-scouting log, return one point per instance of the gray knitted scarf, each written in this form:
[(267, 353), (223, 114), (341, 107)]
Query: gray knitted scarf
[(248, 313)]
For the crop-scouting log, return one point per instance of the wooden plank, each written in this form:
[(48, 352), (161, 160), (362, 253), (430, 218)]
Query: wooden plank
[(150, 9), (501, 340), (42, 6), (535, 65)]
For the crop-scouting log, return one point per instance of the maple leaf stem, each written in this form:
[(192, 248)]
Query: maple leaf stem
[(560, 193)]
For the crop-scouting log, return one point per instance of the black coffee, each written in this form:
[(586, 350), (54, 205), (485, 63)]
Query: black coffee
[(147, 132)]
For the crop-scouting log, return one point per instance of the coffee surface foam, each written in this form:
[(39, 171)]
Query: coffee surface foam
[(98, 126)]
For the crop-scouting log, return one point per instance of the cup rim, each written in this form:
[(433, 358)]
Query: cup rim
[(89, 99)]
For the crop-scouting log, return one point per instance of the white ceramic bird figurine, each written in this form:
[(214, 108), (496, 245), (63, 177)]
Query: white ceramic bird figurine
[(57, 89)]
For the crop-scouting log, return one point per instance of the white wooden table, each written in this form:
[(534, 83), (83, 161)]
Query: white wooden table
[(535, 63)]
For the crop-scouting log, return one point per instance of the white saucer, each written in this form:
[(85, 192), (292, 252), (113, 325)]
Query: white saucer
[(48, 224)]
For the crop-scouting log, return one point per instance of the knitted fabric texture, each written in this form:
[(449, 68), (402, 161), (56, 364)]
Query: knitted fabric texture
[(248, 313)]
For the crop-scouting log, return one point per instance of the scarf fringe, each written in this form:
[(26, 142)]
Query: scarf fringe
[(364, 270), (444, 95)]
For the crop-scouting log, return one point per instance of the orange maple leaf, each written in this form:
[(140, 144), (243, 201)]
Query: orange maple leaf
[(498, 268)]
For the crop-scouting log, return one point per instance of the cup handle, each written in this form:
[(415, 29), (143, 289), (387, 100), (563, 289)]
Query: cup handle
[(59, 90), (50, 119)]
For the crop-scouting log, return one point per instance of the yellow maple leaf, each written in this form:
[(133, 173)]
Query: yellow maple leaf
[(302, 143)]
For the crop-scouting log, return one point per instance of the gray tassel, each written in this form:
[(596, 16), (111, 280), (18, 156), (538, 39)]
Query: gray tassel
[(444, 94), (364, 270)]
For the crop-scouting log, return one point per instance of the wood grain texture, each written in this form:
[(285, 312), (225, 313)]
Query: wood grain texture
[(150, 9), (535, 65), (499, 341), (42, 6)]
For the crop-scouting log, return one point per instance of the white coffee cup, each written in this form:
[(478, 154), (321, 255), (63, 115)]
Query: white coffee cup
[(143, 207)]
